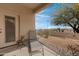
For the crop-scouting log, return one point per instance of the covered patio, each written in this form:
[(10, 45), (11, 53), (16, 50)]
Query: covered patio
[(16, 21)]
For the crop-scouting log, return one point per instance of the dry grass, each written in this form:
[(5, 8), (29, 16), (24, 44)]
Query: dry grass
[(59, 42)]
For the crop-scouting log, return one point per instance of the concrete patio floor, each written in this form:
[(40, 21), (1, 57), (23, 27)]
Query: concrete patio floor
[(36, 49)]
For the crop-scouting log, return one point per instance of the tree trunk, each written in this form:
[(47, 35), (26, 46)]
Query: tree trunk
[(77, 30), (74, 28)]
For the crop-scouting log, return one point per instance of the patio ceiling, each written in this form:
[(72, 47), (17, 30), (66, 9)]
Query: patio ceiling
[(36, 7)]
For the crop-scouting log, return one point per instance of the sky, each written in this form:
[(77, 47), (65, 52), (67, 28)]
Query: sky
[(43, 18)]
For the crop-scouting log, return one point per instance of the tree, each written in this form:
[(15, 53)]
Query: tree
[(68, 16)]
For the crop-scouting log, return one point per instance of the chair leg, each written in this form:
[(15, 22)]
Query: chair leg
[(20, 43), (23, 44)]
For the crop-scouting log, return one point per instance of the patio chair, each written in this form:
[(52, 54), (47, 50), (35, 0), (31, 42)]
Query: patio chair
[(20, 42)]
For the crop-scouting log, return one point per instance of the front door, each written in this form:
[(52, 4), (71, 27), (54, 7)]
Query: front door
[(10, 29)]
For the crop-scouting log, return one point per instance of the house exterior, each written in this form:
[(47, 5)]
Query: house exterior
[(17, 20)]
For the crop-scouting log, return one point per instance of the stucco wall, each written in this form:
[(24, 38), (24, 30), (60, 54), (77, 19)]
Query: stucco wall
[(27, 20)]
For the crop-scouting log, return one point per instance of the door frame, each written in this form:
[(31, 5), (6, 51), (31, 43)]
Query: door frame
[(17, 29)]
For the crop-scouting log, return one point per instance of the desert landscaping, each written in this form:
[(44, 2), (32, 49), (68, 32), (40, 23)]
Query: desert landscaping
[(62, 42)]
